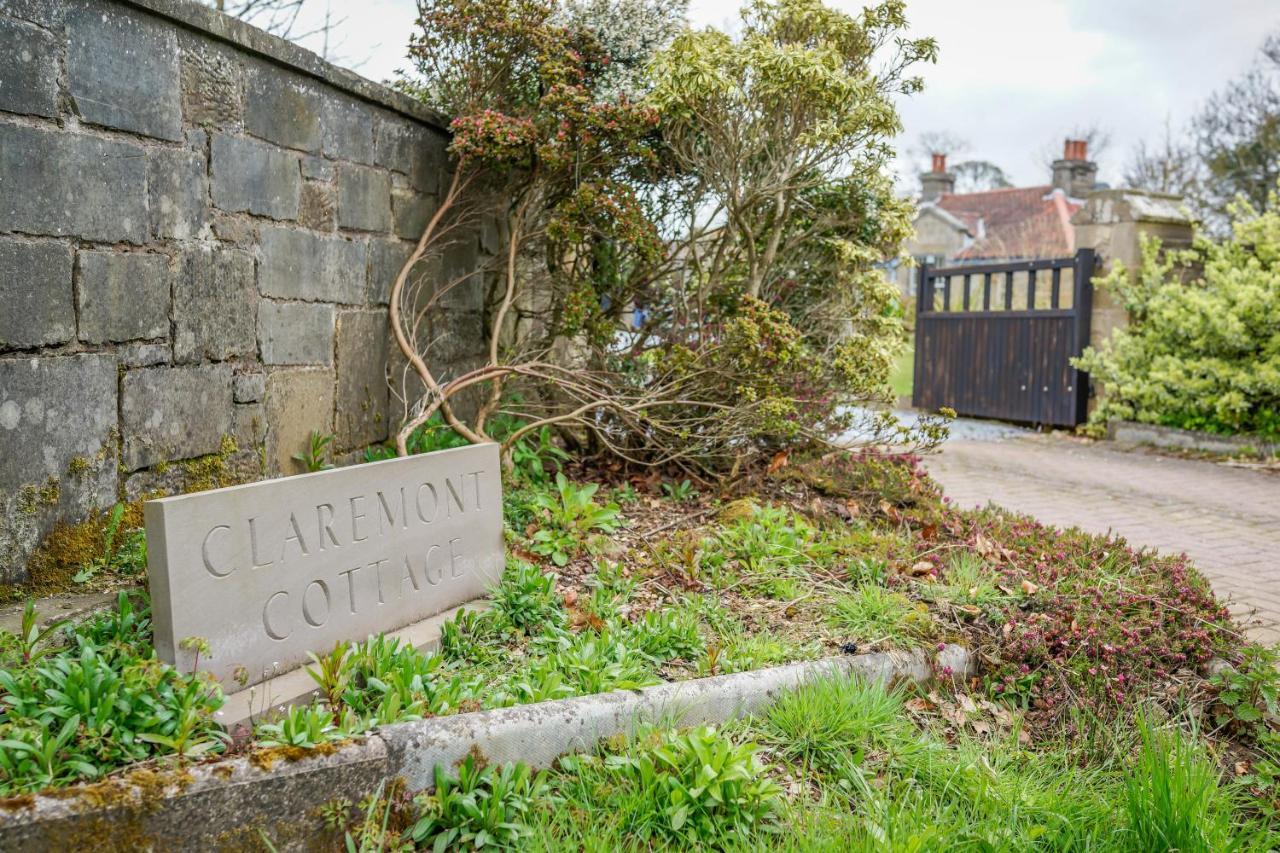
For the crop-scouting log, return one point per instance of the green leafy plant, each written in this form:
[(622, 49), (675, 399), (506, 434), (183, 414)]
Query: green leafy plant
[(124, 550), (526, 598), (482, 808), (569, 515), (679, 492), (1250, 690), (316, 455), (303, 726), (626, 494), (32, 638), (688, 788)]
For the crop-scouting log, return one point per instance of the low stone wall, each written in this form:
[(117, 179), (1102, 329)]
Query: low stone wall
[(199, 226), (1171, 438)]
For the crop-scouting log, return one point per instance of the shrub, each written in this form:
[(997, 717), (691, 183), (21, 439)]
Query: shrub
[(1202, 350)]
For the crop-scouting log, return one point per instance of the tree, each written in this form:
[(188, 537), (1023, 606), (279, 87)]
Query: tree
[(1237, 136), (654, 244), (1168, 166), (978, 175)]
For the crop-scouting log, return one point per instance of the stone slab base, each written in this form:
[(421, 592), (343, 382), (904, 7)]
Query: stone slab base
[(1128, 432)]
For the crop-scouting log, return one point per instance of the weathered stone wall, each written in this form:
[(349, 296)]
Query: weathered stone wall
[(199, 225)]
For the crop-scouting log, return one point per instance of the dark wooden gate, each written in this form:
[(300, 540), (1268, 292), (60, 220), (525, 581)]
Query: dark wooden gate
[(994, 340)]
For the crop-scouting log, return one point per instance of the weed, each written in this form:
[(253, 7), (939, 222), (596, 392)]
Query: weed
[(680, 492), (483, 807), (315, 457), (526, 598), (303, 726), (124, 550), (832, 719), (31, 643), (873, 614), (569, 515)]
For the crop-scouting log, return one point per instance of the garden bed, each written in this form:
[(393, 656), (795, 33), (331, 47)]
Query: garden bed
[(640, 580)]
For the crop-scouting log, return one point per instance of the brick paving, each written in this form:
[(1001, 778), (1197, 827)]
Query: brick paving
[(1226, 519)]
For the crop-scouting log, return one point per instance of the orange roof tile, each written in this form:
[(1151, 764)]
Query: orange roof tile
[(1018, 222)]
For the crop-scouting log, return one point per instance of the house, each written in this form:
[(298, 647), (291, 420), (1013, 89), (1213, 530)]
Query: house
[(1015, 223)]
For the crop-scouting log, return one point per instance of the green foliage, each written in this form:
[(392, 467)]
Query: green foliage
[(1250, 690), (1173, 801), (568, 516), (1202, 350), (429, 437), (100, 703), (32, 640), (315, 457), (302, 726), (691, 788), (679, 492), (831, 720), (873, 614), (482, 808), (124, 549), (526, 598)]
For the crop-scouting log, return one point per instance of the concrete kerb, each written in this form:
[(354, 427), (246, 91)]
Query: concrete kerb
[(1171, 438), (275, 793)]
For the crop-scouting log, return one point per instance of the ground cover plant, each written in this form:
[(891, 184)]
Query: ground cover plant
[(1077, 640)]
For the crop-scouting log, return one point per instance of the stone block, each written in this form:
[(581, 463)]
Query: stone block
[(122, 296), (318, 207), (411, 212), (107, 201), (50, 14), (35, 294), (317, 169), (311, 267), (283, 108), (386, 257), (269, 572), (249, 424), (361, 415), (212, 84), (347, 133), (213, 306), (249, 387), (456, 337), (140, 354), (411, 149), (461, 272), (178, 188), (298, 402), (251, 176), (171, 413), (122, 69), (364, 199), (295, 333), (28, 69), (53, 412)]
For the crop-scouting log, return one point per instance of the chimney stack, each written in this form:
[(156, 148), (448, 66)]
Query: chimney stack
[(938, 181), (1075, 174)]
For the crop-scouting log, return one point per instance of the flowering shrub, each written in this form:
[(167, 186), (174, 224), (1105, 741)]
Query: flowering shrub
[(1203, 347)]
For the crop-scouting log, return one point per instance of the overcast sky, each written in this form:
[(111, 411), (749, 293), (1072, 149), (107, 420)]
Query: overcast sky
[(1013, 76)]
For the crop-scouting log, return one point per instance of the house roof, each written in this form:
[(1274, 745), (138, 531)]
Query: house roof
[(1019, 222)]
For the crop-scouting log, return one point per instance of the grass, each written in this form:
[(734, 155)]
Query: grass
[(902, 376), (839, 764), (875, 615)]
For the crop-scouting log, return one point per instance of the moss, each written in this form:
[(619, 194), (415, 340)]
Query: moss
[(267, 759), (28, 499), (213, 471), (71, 546), (78, 466)]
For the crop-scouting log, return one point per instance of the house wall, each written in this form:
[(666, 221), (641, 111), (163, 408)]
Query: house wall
[(933, 237), (199, 226)]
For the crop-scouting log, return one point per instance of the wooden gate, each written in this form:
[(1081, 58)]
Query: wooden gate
[(994, 340)]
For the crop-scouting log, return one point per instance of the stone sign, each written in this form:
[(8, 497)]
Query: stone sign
[(267, 572)]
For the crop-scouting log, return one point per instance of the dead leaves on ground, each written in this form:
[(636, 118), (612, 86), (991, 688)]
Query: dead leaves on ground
[(963, 714)]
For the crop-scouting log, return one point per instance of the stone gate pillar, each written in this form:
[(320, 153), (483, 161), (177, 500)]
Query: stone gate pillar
[(1112, 223)]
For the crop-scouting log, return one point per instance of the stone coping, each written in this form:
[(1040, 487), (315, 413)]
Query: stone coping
[(1130, 432), (274, 794), (251, 39)]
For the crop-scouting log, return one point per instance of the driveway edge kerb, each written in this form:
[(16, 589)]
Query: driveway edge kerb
[(276, 793)]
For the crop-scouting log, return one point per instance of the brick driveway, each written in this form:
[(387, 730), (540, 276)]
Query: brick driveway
[(1226, 519)]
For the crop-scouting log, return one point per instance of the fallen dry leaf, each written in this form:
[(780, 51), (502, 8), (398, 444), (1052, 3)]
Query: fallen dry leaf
[(1029, 588), (924, 567), (779, 460)]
